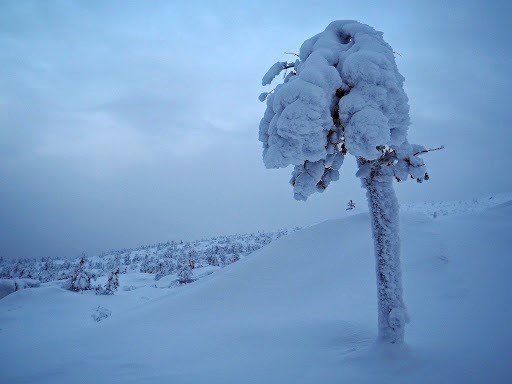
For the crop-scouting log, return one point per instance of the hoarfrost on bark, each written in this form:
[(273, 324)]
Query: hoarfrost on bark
[(383, 206)]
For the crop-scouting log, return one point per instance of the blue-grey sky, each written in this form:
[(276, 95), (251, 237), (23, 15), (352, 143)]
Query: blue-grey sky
[(131, 122)]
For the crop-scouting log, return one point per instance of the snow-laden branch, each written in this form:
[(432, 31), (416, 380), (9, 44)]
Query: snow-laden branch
[(429, 150), (275, 70)]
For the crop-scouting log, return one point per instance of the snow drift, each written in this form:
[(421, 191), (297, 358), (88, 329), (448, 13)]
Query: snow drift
[(8, 286)]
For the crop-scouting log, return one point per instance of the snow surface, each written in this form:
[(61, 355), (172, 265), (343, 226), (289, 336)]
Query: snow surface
[(300, 310)]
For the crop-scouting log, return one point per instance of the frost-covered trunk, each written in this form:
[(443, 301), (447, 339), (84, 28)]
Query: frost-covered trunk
[(383, 206)]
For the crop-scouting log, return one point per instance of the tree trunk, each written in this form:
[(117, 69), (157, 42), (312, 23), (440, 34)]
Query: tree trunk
[(383, 206)]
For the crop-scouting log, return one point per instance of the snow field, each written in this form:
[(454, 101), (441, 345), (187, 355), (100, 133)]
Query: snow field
[(301, 310)]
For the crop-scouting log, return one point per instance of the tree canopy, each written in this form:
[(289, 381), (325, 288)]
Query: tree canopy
[(343, 95)]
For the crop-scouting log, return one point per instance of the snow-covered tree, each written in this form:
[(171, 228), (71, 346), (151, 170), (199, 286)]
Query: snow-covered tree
[(165, 267), (211, 258), (80, 279), (184, 271), (344, 95), (231, 258), (112, 283)]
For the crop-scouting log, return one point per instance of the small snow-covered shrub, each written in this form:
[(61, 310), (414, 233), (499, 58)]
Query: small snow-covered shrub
[(184, 271), (101, 313), (112, 283), (212, 260), (128, 288), (80, 280), (230, 259), (165, 267)]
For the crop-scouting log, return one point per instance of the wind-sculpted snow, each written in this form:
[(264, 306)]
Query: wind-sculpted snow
[(343, 95)]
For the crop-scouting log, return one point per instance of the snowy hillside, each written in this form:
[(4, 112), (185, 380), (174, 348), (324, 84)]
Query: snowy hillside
[(157, 259), (299, 310)]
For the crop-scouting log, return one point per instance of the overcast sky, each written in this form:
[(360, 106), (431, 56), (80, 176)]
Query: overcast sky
[(131, 122)]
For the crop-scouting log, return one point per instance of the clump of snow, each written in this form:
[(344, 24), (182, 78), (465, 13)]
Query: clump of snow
[(298, 129), (365, 131), (273, 72), (263, 96)]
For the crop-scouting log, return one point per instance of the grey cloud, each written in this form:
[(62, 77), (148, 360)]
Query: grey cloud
[(126, 122)]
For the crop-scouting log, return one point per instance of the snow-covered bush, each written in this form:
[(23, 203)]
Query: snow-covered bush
[(128, 288), (150, 265), (232, 258), (112, 283), (184, 271), (80, 279), (101, 313), (212, 260), (165, 267)]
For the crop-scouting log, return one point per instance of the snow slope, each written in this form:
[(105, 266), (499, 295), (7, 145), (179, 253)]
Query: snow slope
[(300, 310)]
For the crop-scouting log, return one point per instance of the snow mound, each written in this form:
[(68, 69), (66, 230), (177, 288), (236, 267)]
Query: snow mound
[(8, 286)]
